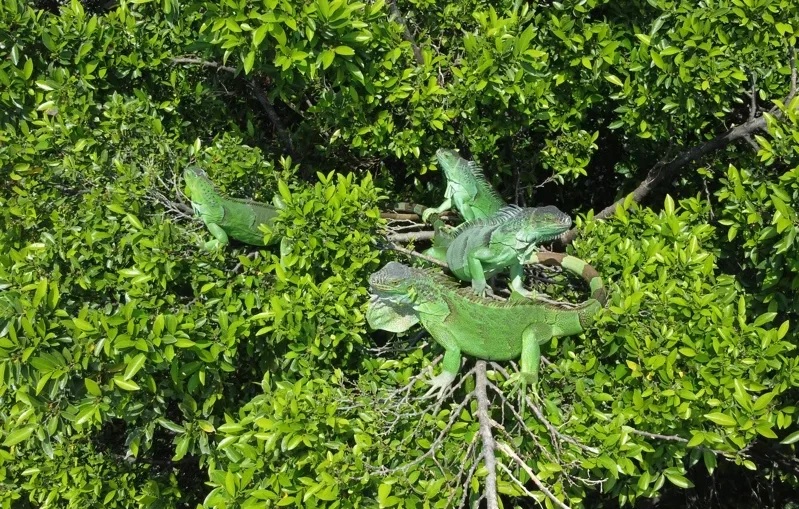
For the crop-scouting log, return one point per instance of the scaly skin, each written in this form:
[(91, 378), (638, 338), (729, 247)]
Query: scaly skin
[(224, 217), (464, 323), (467, 189), (479, 249)]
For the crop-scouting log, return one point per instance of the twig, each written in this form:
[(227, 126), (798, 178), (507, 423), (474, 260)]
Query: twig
[(203, 63), (272, 114), (512, 455), (540, 415), (485, 433), (416, 254)]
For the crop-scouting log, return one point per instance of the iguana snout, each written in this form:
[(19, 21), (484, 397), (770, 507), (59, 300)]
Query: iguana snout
[(544, 223), (390, 277)]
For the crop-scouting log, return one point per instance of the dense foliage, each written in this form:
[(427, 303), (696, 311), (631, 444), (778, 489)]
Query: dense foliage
[(137, 369)]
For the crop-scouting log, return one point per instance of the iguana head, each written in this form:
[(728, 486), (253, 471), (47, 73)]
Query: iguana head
[(537, 224), (198, 186), (448, 159), (391, 306)]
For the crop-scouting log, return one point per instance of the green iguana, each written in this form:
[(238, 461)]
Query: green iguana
[(481, 248), (227, 217), (464, 323), (467, 188)]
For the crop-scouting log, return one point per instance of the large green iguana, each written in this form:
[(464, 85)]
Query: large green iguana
[(467, 188), (462, 322), (479, 249), (227, 217)]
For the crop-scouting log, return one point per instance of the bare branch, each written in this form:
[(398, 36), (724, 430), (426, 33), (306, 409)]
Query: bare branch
[(489, 445), (411, 236), (515, 457), (666, 171)]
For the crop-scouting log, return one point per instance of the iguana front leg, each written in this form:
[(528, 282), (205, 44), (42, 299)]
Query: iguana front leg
[(476, 272), (445, 205), (452, 359), (220, 237), (516, 280)]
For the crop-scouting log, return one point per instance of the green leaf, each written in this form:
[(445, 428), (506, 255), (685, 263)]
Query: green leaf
[(83, 324), (763, 401), (249, 60), (656, 58), (766, 431), (765, 318), (679, 480), (18, 435), (27, 69), (614, 79), (720, 418), (134, 366), (171, 426), (127, 385), (93, 387), (344, 50), (258, 35), (327, 57), (790, 439)]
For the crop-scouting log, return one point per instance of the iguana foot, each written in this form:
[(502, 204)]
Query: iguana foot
[(519, 382), (439, 384), (212, 246), (427, 213)]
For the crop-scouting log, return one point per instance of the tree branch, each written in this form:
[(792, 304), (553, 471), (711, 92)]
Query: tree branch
[(259, 93), (272, 114), (489, 445), (395, 12), (515, 457), (407, 237), (665, 171)]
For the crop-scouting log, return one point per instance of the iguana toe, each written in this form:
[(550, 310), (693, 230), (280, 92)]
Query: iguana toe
[(439, 384)]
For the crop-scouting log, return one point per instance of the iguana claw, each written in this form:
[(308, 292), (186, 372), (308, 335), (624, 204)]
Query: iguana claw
[(439, 384)]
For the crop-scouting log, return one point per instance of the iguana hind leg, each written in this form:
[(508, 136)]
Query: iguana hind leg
[(532, 338), (473, 260)]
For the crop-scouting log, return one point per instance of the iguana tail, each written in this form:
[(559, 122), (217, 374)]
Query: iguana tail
[(575, 266)]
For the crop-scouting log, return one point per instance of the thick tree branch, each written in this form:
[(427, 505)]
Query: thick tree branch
[(489, 446), (665, 171), (407, 237), (259, 93), (272, 114), (395, 12)]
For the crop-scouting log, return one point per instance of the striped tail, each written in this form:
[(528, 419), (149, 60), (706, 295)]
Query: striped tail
[(575, 266)]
